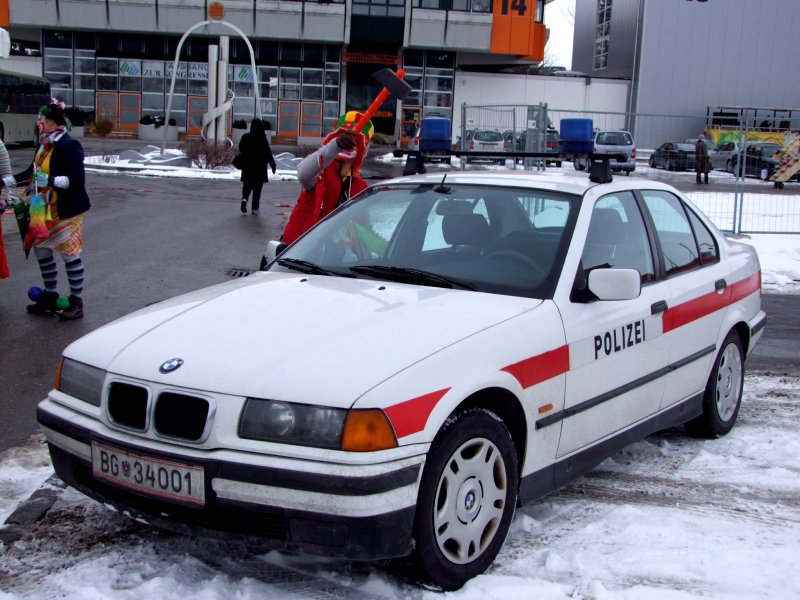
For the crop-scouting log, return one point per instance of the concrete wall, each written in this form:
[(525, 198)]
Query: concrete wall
[(623, 37)]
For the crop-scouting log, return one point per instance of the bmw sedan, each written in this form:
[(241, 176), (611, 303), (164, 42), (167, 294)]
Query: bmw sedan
[(428, 356)]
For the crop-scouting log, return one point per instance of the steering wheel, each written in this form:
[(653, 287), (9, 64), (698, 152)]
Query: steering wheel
[(516, 255)]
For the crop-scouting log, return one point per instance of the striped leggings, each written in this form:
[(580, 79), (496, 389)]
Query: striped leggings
[(47, 265)]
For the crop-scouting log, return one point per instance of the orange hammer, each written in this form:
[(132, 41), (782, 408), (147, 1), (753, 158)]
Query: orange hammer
[(393, 84)]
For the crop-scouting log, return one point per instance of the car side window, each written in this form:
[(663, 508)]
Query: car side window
[(617, 237), (674, 232), (709, 252)]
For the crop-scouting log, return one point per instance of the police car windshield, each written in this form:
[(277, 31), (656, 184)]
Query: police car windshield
[(494, 239)]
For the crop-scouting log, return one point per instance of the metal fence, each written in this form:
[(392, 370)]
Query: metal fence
[(741, 210)]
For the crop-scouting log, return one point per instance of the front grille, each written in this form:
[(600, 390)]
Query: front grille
[(179, 416), (127, 405)]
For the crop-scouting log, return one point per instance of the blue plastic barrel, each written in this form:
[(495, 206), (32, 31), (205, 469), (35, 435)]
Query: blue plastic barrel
[(434, 134), (576, 136)]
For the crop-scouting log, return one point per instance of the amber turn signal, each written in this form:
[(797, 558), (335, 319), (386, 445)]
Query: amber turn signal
[(367, 431)]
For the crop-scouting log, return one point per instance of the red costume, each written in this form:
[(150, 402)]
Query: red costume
[(330, 187)]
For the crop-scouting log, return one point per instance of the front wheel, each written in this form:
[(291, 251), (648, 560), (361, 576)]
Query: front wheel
[(466, 499), (723, 394)]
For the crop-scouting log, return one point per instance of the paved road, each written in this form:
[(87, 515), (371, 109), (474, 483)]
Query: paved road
[(147, 239)]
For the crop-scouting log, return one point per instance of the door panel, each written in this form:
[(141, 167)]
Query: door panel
[(107, 107), (198, 106), (311, 121), (288, 119), (129, 111), (616, 348)]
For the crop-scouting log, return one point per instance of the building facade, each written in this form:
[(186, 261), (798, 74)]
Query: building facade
[(682, 56), (314, 59)]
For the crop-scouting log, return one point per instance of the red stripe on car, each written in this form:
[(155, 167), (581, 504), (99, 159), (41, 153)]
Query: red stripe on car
[(685, 313), (542, 367), (410, 416)]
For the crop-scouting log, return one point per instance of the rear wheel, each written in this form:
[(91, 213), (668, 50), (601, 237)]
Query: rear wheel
[(466, 500), (723, 394), (652, 162)]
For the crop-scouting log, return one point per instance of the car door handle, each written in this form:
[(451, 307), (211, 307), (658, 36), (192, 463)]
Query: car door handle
[(658, 307), (720, 285)]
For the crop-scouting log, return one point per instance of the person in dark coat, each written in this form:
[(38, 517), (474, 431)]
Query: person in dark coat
[(57, 176), (254, 147), (702, 163)]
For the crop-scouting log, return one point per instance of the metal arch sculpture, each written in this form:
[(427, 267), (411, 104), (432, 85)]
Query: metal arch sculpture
[(216, 111)]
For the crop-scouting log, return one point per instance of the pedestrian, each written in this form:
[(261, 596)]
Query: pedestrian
[(256, 153), (5, 169), (330, 175), (702, 163), (57, 174)]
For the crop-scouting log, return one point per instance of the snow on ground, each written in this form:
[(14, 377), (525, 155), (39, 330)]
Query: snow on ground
[(668, 518)]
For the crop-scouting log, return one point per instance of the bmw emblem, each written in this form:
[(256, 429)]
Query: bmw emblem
[(171, 365)]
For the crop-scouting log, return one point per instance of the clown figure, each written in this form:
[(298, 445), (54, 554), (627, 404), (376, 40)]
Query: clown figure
[(330, 175)]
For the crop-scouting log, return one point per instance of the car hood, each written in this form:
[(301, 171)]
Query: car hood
[(308, 338)]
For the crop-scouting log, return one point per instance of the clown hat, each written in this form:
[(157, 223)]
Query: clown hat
[(349, 119)]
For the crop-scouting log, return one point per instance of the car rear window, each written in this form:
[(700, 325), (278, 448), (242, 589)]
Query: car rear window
[(685, 147), (489, 136), (614, 138)]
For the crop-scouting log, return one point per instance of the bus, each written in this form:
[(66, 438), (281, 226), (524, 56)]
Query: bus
[(21, 97)]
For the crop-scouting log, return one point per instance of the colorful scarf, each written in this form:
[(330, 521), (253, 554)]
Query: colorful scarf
[(51, 137)]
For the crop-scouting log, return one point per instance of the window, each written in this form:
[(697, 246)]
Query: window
[(678, 245), (709, 253), (617, 237), (602, 34)]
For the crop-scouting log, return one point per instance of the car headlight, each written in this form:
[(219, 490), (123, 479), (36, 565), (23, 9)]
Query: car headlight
[(275, 421), (318, 426), (80, 381)]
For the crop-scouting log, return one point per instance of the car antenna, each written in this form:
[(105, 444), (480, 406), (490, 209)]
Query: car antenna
[(442, 188)]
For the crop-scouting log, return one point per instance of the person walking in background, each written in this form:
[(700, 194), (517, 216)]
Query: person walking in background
[(330, 175), (256, 153), (702, 163), (57, 174), (5, 169)]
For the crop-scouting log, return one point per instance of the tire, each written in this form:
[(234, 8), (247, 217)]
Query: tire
[(578, 164), (652, 162), (466, 500), (669, 165), (723, 394)]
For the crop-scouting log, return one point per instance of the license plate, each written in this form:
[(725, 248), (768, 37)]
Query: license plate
[(162, 478)]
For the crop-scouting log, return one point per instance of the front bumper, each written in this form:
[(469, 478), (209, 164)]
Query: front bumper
[(366, 517)]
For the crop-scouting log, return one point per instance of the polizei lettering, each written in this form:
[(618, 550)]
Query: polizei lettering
[(619, 338)]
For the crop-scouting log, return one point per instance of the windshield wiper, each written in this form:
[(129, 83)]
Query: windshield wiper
[(408, 275), (305, 266)]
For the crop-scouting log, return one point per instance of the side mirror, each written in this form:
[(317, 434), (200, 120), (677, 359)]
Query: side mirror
[(271, 252), (615, 284)]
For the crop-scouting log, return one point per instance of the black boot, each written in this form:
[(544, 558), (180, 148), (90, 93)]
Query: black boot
[(244, 206), (45, 304), (75, 310)]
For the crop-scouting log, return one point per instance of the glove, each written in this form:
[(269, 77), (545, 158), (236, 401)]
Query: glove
[(346, 141), (42, 179)]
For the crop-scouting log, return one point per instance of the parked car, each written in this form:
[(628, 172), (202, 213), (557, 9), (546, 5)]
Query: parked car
[(487, 140), (616, 141), (757, 156), (426, 356), (761, 161), (551, 145), (673, 156), (722, 159)]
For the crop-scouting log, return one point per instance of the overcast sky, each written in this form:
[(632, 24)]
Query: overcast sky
[(558, 17)]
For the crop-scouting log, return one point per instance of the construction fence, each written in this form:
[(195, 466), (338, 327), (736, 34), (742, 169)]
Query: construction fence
[(752, 205)]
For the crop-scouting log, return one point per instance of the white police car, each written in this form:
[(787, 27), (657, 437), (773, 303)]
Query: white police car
[(447, 349)]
